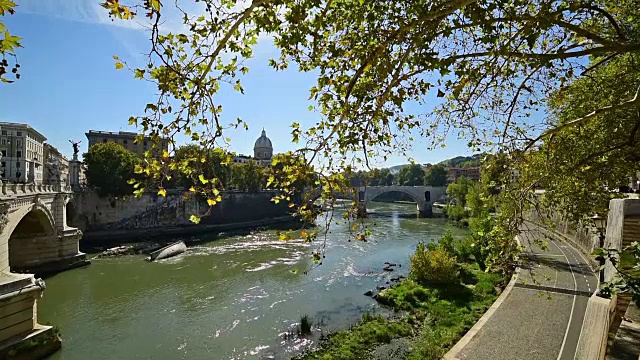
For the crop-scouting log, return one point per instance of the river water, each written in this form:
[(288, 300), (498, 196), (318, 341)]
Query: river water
[(232, 298)]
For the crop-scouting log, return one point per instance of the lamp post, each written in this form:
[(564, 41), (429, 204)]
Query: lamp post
[(601, 225)]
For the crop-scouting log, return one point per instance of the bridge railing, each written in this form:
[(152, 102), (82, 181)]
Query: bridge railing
[(15, 189)]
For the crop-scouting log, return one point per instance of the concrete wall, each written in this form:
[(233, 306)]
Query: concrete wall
[(17, 315), (583, 236), (592, 344), (91, 212), (28, 251)]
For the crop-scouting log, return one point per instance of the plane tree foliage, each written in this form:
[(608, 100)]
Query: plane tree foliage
[(8, 45), (491, 65)]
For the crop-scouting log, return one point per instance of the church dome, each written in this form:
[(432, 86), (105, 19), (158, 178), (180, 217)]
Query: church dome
[(263, 141), (263, 150)]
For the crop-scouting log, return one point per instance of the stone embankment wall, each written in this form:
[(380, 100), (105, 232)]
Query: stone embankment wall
[(92, 213)]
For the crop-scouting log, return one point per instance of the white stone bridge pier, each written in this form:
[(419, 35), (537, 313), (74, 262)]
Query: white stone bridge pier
[(34, 238)]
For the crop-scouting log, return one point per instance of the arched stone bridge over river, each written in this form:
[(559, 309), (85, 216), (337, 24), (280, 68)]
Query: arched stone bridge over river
[(34, 238), (424, 196)]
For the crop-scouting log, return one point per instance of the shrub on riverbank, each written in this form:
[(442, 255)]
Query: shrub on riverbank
[(435, 317), (433, 266)]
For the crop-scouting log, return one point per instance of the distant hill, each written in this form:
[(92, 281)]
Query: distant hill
[(458, 161), (395, 169), (463, 161)]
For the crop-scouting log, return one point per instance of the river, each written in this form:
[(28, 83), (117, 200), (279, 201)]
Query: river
[(232, 298)]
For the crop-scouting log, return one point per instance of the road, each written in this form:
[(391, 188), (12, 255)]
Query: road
[(542, 316)]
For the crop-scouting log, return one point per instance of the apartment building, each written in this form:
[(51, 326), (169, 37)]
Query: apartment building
[(21, 147), (127, 140), (56, 166)]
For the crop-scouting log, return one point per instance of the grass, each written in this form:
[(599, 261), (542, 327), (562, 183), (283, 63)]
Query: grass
[(356, 342), (434, 319)]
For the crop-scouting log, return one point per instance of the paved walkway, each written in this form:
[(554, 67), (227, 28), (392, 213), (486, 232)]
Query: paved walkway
[(542, 316)]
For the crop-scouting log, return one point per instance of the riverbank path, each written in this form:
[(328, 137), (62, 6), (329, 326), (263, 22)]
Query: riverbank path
[(541, 318)]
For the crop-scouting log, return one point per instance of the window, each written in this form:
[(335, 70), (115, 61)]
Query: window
[(4, 132), (4, 141), (4, 164), (18, 133), (145, 143), (17, 165), (104, 140), (18, 153), (18, 174), (18, 143), (4, 153), (124, 141)]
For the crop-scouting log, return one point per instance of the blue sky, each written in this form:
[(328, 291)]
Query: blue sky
[(69, 83)]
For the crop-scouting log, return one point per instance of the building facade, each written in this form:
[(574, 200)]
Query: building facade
[(56, 166), (22, 148), (127, 140), (472, 173)]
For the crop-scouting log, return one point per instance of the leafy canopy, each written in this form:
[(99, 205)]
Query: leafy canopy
[(435, 175), (109, 169), (411, 175)]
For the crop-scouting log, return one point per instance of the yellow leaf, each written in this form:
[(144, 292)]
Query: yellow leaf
[(291, 205), (219, 198), (119, 65), (115, 57), (162, 192), (194, 219), (211, 202), (192, 189), (203, 179), (165, 154)]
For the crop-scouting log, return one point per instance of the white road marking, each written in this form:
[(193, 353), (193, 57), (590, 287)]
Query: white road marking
[(573, 304)]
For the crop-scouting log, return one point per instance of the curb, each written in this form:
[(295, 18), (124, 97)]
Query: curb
[(452, 354)]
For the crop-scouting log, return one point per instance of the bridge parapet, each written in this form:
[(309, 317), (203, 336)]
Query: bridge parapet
[(8, 190)]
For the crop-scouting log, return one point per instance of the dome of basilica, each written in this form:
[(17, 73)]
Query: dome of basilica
[(262, 149)]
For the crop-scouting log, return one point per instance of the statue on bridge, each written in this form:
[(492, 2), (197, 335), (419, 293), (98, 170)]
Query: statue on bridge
[(76, 148)]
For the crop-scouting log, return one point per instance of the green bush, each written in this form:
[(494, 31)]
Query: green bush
[(456, 212), (447, 242), (435, 266)]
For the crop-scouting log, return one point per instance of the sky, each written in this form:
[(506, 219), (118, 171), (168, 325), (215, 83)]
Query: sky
[(69, 83)]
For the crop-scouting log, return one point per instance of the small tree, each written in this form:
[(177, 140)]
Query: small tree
[(411, 175), (435, 176), (109, 167)]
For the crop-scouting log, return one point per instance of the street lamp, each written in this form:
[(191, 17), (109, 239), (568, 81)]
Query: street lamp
[(601, 225)]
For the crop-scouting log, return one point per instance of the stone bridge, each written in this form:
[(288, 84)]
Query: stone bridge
[(424, 196), (34, 238)]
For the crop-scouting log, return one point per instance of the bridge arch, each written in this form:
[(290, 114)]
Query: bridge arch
[(32, 237), (424, 196), (412, 195)]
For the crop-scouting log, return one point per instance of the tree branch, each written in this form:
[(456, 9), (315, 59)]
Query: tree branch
[(631, 102)]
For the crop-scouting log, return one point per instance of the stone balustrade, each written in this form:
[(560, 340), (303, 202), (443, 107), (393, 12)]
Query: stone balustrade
[(15, 189)]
